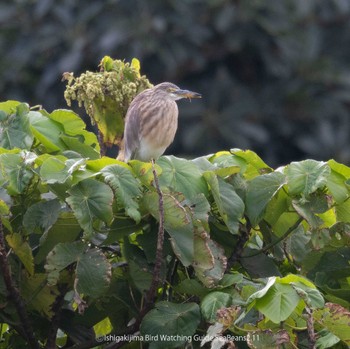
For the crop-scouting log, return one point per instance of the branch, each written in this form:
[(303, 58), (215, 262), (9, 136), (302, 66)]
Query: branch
[(160, 241), (55, 320), (14, 295)]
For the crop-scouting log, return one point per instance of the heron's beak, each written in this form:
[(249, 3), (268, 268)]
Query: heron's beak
[(187, 94)]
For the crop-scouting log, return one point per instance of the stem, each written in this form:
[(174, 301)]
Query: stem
[(310, 328), (55, 320), (274, 243), (101, 143), (160, 241), (14, 295), (243, 238)]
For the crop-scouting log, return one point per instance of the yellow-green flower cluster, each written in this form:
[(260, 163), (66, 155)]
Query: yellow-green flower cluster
[(118, 85)]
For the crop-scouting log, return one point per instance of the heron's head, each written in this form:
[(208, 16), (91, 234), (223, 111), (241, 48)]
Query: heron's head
[(167, 89)]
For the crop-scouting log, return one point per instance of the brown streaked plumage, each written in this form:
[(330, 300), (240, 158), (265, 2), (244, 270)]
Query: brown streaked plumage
[(151, 121)]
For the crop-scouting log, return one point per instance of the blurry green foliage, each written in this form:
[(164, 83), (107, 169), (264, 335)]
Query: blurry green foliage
[(274, 75)]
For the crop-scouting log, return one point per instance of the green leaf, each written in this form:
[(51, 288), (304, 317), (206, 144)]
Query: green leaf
[(230, 205), (305, 177), (182, 176), (267, 339), (60, 257), (261, 293), (255, 165), (14, 128), (14, 172), (41, 216), (53, 170), (343, 212), (209, 260), (93, 273), (278, 303), (170, 324), (9, 106), (65, 229), (177, 223), (37, 294), (335, 319), (46, 131), (305, 210), (259, 265), (191, 287), (126, 187), (337, 181), (76, 144), (73, 125), (22, 250), (212, 302), (144, 171), (326, 339), (91, 200), (260, 191)]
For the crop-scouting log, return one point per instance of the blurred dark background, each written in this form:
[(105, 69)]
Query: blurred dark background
[(275, 75)]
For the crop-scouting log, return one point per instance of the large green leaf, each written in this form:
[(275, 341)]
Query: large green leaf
[(54, 170), (258, 265), (126, 187), (337, 181), (209, 260), (47, 132), (14, 127), (260, 191), (60, 257), (177, 223), (305, 177), (335, 319), (91, 200), (278, 303), (73, 125), (230, 205), (65, 229), (170, 325), (254, 164), (343, 212), (41, 216), (14, 173), (22, 250), (212, 302), (181, 175), (93, 273), (76, 144), (37, 294)]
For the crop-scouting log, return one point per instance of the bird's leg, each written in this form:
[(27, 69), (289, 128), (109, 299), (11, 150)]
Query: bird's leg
[(160, 240)]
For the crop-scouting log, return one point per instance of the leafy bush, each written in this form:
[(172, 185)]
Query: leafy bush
[(252, 255)]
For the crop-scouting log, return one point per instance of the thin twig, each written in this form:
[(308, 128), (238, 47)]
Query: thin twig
[(310, 328), (274, 243), (14, 295), (160, 241), (243, 238)]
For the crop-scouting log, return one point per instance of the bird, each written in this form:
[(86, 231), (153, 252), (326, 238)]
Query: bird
[(151, 122)]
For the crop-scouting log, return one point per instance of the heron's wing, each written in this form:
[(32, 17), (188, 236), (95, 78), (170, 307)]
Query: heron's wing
[(131, 135)]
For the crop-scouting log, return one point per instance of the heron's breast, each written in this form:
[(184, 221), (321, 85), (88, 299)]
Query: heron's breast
[(159, 128)]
